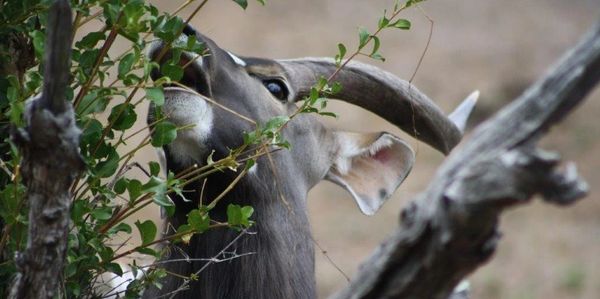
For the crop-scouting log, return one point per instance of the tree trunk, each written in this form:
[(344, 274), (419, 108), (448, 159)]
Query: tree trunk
[(452, 228), (50, 148)]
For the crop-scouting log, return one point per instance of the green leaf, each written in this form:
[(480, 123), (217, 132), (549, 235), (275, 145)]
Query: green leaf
[(383, 22), (111, 12), (401, 24), (164, 133), (134, 188), (336, 87), (242, 3), (34, 82), (121, 185), (121, 227), (90, 40), (163, 201), (250, 138), (154, 185), (148, 67), (376, 45), (198, 221), (78, 210), (92, 133), (184, 228), (122, 116), (88, 59), (70, 271), (314, 95), (363, 37), (322, 83), (247, 211), (106, 253), (147, 251), (330, 114), (74, 288), (159, 188), (377, 56), (16, 113), (276, 122), (341, 54), (410, 3), (147, 231), (154, 168), (12, 94), (155, 95), (114, 268), (93, 102), (237, 215), (133, 11), (109, 166), (342, 50), (173, 71), (39, 40), (102, 213), (193, 45), (126, 64), (169, 30)]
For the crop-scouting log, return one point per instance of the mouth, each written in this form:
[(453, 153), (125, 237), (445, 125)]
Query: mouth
[(184, 107), (194, 118)]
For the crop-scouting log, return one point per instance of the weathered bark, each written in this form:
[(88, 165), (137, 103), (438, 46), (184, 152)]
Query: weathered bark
[(51, 161), (451, 229)]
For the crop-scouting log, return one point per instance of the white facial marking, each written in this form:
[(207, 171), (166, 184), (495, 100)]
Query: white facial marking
[(186, 109), (236, 59)]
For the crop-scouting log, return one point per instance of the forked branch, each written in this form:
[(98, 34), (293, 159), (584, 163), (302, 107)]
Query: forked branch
[(451, 229)]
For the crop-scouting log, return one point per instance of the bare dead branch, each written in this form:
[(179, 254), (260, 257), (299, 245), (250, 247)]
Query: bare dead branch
[(57, 57), (51, 161), (451, 229)]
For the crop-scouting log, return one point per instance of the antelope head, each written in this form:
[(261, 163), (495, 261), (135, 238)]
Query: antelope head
[(223, 94)]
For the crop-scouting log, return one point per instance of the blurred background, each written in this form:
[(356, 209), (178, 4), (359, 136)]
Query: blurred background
[(498, 47)]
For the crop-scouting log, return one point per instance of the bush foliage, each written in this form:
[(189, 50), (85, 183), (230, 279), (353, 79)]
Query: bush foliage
[(106, 91)]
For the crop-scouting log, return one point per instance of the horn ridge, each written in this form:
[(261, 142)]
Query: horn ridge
[(382, 93)]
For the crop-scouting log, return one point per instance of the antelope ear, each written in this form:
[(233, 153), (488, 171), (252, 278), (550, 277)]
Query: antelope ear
[(370, 167)]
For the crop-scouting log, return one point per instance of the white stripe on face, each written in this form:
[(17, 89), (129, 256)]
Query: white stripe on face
[(236, 59)]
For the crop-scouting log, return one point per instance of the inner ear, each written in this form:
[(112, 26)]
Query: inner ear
[(370, 167)]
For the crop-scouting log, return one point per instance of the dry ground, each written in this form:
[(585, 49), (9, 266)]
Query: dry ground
[(498, 47)]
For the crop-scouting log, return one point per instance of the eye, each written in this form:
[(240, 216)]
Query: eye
[(277, 89)]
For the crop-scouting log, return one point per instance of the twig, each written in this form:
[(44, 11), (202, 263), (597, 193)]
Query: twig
[(186, 282), (334, 264)]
